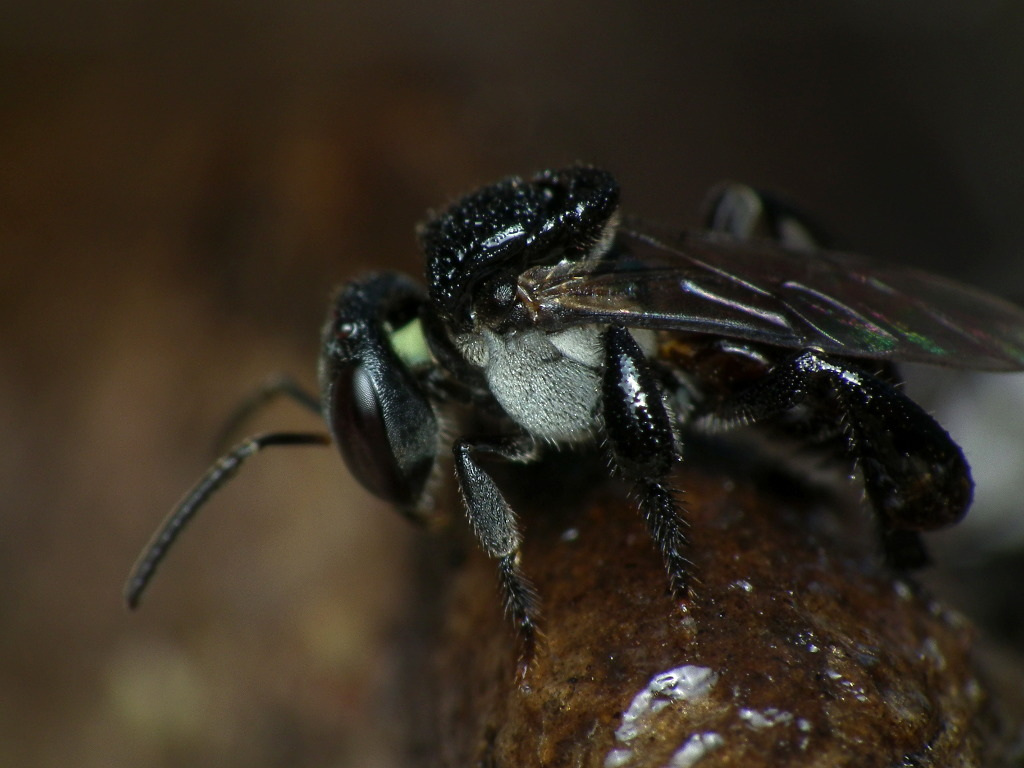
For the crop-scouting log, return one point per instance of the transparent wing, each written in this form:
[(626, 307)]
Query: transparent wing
[(839, 303)]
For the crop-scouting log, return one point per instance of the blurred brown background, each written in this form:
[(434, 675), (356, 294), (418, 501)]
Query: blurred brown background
[(181, 185)]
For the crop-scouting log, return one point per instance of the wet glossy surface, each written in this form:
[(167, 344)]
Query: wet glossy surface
[(798, 650)]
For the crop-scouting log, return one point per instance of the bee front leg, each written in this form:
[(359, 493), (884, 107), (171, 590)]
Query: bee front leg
[(494, 523), (638, 426), (914, 474)]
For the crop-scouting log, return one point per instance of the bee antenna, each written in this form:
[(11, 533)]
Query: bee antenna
[(216, 476)]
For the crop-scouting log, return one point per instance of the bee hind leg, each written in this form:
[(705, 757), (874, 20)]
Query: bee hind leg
[(915, 475), (638, 426)]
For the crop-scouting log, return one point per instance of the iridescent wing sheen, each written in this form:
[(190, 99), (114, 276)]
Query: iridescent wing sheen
[(839, 303)]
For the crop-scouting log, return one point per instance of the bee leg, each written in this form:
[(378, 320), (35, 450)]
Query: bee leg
[(914, 474), (495, 526), (639, 431), (751, 214)]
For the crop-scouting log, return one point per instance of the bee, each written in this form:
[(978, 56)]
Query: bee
[(551, 323)]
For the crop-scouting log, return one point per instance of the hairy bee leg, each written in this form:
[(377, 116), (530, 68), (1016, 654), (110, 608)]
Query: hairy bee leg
[(494, 523), (639, 431), (274, 387), (521, 604), (215, 477), (914, 474)]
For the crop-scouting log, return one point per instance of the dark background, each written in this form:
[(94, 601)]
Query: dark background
[(181, 185)]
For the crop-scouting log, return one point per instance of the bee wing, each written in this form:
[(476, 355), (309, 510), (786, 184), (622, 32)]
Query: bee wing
[(839, 303)]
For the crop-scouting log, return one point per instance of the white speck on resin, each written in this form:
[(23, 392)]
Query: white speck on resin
[(903, 590), (930, 650), (695, 748), (805, 728), (765, 718), (847, 686), (618, 757), (686, 683)]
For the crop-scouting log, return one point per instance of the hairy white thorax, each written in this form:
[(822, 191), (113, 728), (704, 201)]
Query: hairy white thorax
[(548, 383)]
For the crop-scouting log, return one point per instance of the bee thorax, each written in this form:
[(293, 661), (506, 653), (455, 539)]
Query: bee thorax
[(548, 383)]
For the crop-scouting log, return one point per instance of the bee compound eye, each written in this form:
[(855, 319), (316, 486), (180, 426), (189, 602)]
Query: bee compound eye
[(385, 430)]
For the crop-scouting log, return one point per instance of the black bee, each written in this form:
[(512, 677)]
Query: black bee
[(555, 325)]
